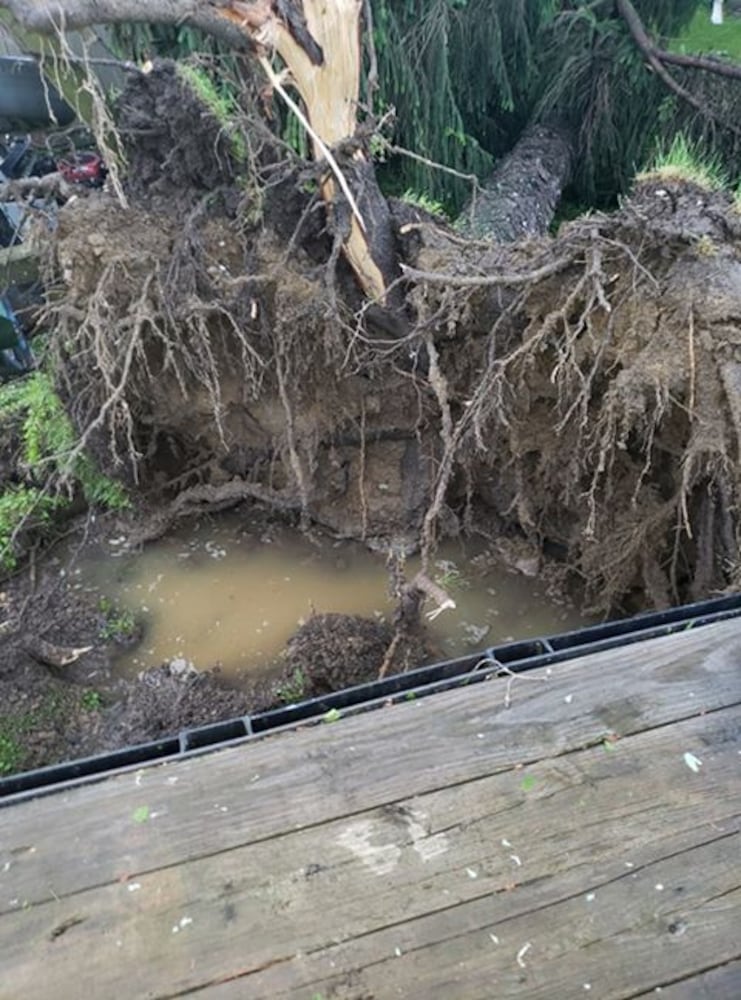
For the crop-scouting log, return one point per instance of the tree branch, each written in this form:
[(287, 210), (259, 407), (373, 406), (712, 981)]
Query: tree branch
[(50, 16), (640, 36), (718, 66)]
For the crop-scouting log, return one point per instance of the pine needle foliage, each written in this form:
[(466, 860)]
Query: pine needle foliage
[(466, 76), (457, 72)]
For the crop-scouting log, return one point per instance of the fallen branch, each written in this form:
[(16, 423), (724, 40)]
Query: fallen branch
[(640, 36), (52, 655), (718, 66)]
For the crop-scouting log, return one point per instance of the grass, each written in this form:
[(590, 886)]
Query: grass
[(427, 204), (91, 700), (702, 37), (11, 753), (55, 711), (684, 161)]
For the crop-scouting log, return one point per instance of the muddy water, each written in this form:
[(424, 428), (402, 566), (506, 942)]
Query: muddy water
[(221, 593)]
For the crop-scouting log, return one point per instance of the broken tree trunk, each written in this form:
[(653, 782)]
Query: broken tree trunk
[(520, 198), (321, 48)]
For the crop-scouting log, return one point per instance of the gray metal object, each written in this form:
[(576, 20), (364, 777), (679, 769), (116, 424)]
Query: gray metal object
[(24, 96)]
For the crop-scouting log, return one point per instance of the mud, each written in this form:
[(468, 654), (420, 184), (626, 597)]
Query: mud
[(581, 397), (50, 714)]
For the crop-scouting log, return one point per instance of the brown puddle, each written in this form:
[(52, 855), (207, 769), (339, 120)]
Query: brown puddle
[(220, 593)]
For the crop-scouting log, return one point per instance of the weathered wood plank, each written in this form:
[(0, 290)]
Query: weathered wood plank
[(431, 876), (246, 794), (723, 983), (631, 941)]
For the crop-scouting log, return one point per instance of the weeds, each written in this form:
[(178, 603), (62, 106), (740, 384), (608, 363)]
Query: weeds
[(11, 753), (119, 623), (420, 200), (293, 689), (91, 701)]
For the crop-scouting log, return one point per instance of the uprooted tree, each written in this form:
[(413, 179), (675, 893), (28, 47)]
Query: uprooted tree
[(250, 325)]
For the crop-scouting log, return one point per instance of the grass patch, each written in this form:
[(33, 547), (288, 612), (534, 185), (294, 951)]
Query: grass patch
[(20, 731), (11, 753), (685, 161), (701, 36), (91, 701), (420, 200)]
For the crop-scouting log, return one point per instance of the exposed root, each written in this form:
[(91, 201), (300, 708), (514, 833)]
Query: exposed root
[(610, 424)]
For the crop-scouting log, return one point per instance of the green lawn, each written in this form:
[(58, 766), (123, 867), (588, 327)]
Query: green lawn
[(702, 36)]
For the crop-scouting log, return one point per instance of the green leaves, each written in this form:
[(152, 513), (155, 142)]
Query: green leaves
[(140, 814)]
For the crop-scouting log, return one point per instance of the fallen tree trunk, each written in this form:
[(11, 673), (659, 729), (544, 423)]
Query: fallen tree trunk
[(520, 198)]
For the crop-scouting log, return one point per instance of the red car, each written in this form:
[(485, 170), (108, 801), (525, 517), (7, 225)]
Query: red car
[(83, 168)]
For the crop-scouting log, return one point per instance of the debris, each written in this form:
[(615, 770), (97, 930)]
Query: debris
[(140, 814), (692, 762), (52, 655), (472, 873), (521, 954)]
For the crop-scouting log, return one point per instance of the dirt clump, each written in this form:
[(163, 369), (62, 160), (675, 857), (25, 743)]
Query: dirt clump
[(331, 652)]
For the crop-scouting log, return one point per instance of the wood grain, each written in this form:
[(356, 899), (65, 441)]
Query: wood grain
[(377, 856)]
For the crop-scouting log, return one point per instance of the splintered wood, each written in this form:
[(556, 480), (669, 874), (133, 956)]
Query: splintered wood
[(582, 842)]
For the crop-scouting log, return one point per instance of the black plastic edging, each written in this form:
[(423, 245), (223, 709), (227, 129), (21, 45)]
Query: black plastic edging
[(515, 657)]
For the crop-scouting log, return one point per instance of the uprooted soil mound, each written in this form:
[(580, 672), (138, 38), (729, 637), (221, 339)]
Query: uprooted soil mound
[(605, 419), (582, 392), (331, 651)]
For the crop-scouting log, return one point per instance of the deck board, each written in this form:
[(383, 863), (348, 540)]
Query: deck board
[(414, 851)]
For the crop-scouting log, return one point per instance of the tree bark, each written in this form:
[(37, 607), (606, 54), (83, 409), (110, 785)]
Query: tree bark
[(520, 198), (50, 16)]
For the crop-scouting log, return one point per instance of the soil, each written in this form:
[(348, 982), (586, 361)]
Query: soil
[(579, 396), (50, 714)]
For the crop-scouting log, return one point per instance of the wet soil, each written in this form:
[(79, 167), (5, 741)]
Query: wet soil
[(580, 396), (50, 714)]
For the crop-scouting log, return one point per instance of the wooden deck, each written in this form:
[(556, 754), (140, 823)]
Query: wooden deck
[(582, 842)]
